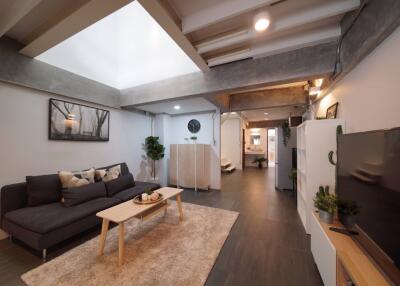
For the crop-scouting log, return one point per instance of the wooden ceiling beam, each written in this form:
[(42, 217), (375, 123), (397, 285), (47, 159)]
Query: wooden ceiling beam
[(314, 14), (268, 98), (11, 12), (218, 12), (68, 24), (164, 19), (266, 123), (280, 45)]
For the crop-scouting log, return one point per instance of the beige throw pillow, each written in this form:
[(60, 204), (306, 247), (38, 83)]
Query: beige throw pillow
[(108, 175), (76, 179)]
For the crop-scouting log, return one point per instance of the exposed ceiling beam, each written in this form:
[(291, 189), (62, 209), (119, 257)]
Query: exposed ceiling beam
[(303, 17), (266, 123), (218, 12), (166, 21), (71, 23), (298, 65), (268, 98), (280, 45), (221, 101), (13, 11)]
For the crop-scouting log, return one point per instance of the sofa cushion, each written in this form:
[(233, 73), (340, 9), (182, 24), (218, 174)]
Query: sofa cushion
[(119, 184), (78, 195), (124, 169), (46, 218), (138, 189), (106, 175), (43, 189), (76, 179)]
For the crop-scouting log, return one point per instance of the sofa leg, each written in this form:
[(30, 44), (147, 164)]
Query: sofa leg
[(44, 255)]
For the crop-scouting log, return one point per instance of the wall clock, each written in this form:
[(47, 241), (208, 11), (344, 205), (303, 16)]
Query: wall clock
[(194, 126)]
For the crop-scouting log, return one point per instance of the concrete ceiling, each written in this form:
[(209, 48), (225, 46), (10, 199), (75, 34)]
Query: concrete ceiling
[(189, 105)]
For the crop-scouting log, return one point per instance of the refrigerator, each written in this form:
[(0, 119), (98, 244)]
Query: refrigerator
[(285, 159)]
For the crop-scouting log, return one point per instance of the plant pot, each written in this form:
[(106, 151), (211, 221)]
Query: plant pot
[(325, 216), (260, 165), (347, 220)]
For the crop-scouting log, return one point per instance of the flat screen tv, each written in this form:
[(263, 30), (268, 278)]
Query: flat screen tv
[(369, 174)]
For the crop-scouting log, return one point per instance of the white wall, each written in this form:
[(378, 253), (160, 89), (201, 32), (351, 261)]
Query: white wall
[(369, 96), (26, 150), (231, 141), (175, 131)]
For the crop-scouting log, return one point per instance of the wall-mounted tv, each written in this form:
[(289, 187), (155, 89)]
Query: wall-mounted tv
[(369, 174)]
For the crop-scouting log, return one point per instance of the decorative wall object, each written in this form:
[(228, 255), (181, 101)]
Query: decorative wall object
[(194, 126), (76, 122), (331, 112)]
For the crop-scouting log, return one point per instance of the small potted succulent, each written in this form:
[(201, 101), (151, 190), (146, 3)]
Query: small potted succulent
[(347, 212), (260, 161), (326, 204)]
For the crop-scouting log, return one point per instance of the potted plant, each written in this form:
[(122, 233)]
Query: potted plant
[(260, 161), (347, 212), (286, 132), (326, 204), (293, 178), (154, 151)]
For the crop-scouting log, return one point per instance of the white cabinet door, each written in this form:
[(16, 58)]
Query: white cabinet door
[(323, 252)]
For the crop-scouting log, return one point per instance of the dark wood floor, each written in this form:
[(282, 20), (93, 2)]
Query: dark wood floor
[(267, 244)]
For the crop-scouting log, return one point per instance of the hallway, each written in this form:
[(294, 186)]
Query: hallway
[(268, 244)]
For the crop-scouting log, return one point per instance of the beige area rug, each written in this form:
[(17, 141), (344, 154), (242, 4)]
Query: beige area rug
[(161, 251)]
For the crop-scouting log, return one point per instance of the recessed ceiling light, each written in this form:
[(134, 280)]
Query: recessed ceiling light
[(266, 113), (261, 22), (177, 107)]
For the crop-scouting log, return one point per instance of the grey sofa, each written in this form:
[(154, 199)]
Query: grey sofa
[(44, 225)]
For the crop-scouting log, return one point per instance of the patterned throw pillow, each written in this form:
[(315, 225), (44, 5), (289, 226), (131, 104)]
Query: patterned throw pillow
[(76, 179), (106, 175)]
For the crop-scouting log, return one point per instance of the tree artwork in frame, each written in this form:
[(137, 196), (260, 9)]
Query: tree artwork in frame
[(331, 112), (75, 122)]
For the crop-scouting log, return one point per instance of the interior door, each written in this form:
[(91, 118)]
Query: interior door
[(243, 147)]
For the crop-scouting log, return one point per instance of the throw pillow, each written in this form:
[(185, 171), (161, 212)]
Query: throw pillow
[(119, 184), (76, 179), (106, 175), (43, 189), (76, 196)]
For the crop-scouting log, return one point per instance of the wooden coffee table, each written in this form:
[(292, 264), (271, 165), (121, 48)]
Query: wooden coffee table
[(121, 213)]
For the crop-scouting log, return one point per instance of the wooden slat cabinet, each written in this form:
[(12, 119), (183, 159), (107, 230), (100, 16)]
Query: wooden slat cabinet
[(189, 165)]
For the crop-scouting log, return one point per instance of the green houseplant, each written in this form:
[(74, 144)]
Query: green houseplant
[(326, 204), (154, 151), (286, 132), (293, 177), (260, 161), (347, 212)]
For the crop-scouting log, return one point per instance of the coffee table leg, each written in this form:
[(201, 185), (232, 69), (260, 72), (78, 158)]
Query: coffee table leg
[(121, 244), (179, 203), (103, 235)]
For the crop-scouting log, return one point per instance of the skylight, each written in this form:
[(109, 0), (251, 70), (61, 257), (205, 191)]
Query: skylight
[(125, 49)]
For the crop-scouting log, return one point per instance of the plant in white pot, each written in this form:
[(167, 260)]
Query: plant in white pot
[(326, 204)]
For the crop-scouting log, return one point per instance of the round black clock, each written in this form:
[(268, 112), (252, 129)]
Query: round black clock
[(194, 126)]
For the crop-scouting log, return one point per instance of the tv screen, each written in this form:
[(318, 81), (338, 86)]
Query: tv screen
[(369, 175)]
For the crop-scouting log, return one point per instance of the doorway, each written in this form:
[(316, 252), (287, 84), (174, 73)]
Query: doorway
[(271, 146)]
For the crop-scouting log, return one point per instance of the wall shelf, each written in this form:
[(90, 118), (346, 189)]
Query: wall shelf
[(315, 138)]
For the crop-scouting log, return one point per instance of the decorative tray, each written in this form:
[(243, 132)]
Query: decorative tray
[(138, 200)]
